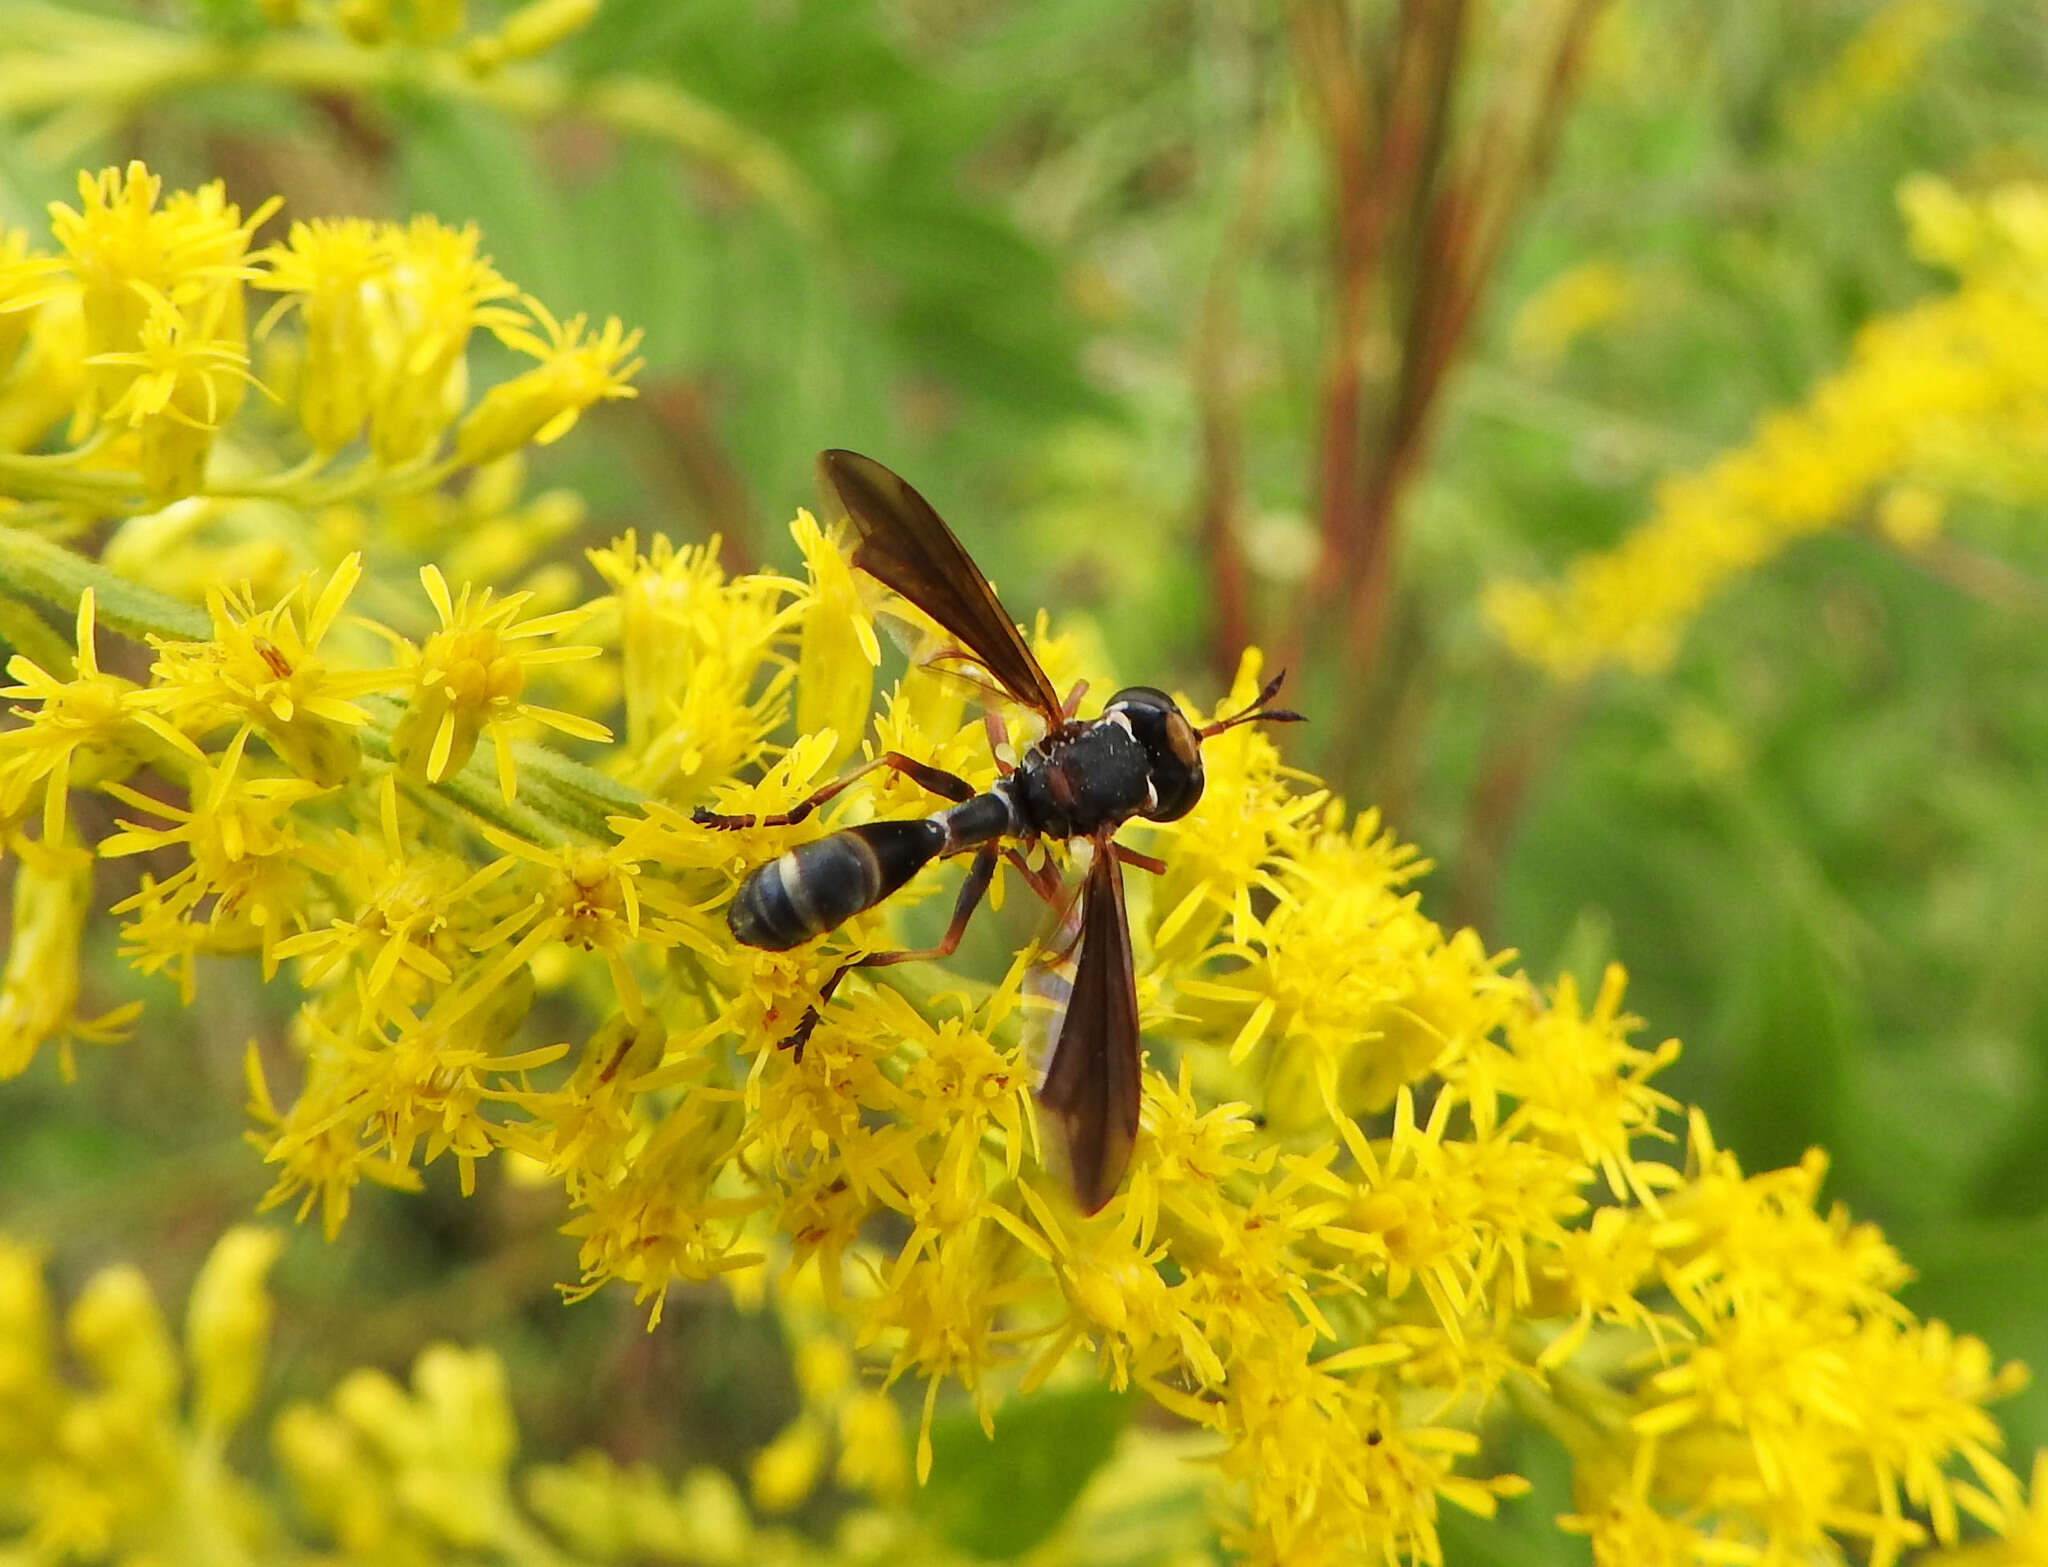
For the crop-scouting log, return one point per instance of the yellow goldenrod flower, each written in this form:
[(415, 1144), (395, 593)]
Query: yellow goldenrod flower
[(331, 270), (87, 730), (227, 1327), (440, 290), (247, 860), (542, 405), (186, 384), (1943, 396), (412, 913), (318, 1154), (40, 988), (469, 677), (1386, 1189), (261, 670), (705, 684), (180, 265), (837, 651)]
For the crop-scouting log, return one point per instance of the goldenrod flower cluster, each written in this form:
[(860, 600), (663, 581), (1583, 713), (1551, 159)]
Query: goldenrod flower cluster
[(1945, 398), (1387, 1192)]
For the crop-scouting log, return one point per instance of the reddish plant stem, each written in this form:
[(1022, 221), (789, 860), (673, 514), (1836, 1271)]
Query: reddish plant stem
[(1220, 499), (1382, 165), (1458, 242), (1517, 753)]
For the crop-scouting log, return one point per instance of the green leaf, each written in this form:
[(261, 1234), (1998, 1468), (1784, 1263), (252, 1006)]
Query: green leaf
[(1788, 1095), (998, 1497)]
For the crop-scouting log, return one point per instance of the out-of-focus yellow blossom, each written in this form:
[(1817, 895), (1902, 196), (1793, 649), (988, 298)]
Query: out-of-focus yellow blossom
[(105, 1461), (1944, 398), (1883, 56), (1579, 300), (40, 989), (1387, 1192)]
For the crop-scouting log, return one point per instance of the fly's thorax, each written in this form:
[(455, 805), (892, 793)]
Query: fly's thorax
[(1084, 778)]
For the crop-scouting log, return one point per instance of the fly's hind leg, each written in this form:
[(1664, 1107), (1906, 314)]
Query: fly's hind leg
[(972, 891), (948, 786)]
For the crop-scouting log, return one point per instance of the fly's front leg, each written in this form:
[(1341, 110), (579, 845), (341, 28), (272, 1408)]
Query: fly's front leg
[(972, 891), (948, 786)]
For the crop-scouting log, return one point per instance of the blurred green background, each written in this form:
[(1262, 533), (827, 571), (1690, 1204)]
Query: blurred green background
[(1070, 267)]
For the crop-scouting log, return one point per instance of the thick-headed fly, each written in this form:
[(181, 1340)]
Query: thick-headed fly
[(1084, 779)]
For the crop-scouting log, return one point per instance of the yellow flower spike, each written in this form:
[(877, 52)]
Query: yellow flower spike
[(85, 730), (837, 651), (440, 290), (783, 1474), (468, 679), (133, 259), (260, 669), (117, 1330), (227, 1327), (40, 989), (1943, 394), (330, 269), (541, 406)]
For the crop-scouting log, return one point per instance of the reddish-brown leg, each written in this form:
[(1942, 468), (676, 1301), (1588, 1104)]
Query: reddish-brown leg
[(1143, 862), (972, 891)]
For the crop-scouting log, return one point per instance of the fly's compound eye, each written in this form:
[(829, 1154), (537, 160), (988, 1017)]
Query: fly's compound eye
[(1173, 750)]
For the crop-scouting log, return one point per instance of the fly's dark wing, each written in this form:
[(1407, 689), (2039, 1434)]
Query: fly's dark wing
[(1091, 1086), (907, 546)]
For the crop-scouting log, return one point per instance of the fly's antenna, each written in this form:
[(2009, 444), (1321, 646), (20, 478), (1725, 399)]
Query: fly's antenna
[(1257, 713)]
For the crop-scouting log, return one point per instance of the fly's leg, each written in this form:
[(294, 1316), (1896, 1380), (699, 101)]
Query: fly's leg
[(972, 891), (1143, 862), (998, 740), (1043, 880), (948, 786)]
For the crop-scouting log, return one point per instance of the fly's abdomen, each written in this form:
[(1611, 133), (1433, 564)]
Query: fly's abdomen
[(818, 885)]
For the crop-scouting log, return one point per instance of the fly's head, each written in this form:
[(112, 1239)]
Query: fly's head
[(1173, 749)]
